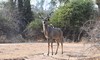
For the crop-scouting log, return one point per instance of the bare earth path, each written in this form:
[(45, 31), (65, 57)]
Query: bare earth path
[(37, 51)]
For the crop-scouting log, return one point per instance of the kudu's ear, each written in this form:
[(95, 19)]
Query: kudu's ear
[(48, 16)]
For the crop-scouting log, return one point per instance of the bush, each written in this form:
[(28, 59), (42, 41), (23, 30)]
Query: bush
[(72, 14), (34, 31), (36, 24)]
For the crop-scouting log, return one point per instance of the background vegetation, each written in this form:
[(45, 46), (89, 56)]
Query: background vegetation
[(22, 18)]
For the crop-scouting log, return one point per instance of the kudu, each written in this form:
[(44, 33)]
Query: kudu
[(52, 34)]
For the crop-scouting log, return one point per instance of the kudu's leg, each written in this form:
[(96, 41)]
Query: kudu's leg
[(48, 46), (52, 46), (57, 47), (62, 46)]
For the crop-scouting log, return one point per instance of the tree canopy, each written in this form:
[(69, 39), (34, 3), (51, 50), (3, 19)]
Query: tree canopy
[(72, 14)]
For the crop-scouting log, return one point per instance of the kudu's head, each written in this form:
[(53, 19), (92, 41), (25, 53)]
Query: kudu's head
[(45, 21)]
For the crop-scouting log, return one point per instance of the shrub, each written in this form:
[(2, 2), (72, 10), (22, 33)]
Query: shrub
[(72, 14), (36, 24)]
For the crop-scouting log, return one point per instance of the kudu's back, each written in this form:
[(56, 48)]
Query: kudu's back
[(55, 33)]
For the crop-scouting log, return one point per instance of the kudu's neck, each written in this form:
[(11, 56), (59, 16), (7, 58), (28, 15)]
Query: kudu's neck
[(45, 30), (45, 27)]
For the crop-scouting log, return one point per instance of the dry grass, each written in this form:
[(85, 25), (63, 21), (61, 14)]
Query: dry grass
[(37, 51)]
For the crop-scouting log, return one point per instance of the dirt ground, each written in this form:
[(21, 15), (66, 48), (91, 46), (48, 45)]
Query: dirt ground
[(38, 51)]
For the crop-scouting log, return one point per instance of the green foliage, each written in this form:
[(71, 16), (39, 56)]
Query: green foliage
[(72, 14), (36, 24)]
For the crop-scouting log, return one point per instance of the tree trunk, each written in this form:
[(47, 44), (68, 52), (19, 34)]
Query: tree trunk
[(98, 3)]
